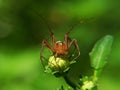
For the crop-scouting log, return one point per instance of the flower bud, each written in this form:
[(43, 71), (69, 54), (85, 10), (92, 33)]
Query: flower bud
[(88, 85), (58, 64)]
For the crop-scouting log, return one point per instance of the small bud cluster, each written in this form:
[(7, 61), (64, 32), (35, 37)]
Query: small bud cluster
[(58, 65)]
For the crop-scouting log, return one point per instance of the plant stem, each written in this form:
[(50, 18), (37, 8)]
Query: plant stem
[(96, 74), (70, 82)]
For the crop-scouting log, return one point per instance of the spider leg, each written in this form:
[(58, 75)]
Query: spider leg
[(51, 36), (74, 42), (45, 22), (71, 53), (44, 44), (74, 25), (67, 39), (42, 58)]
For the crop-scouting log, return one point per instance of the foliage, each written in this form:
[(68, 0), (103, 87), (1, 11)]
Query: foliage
[(98, 56), (22, 31)]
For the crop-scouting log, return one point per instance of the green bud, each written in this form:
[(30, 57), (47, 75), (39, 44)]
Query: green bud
[(58, 64), (88, 85)]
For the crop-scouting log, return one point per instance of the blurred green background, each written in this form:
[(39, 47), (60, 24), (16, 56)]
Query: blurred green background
[(22, 30)]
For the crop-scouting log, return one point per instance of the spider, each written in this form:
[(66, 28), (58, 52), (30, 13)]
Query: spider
[(59, 48)]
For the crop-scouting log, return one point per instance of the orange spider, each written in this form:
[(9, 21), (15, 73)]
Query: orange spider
[(59, 48)]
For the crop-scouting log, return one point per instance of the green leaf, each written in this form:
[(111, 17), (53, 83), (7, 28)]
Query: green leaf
[(100, 52)]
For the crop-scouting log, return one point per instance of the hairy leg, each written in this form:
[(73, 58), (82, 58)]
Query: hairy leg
[(74, 42), (67, 39), (44, 44)]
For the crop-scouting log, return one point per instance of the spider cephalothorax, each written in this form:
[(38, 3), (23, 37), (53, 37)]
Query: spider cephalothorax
[(60, 48)]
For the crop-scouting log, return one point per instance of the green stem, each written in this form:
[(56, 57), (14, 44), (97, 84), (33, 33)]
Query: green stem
[(70, 82), (96, 74)]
